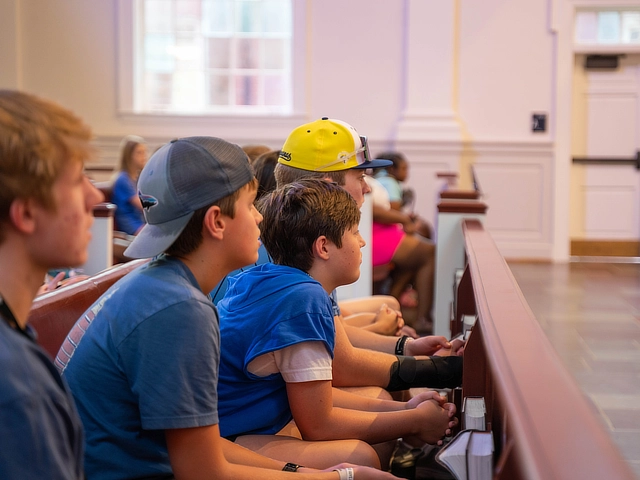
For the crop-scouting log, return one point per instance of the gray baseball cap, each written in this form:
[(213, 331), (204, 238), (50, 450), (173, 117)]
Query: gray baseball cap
[(181, 177)]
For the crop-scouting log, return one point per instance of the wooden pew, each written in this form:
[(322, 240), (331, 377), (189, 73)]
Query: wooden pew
[(543, 426), (53, 314)]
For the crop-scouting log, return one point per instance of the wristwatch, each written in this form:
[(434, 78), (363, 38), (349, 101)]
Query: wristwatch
[(291, 467)]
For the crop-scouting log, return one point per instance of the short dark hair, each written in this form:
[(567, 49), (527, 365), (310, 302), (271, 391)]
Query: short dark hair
[(191, 236), (263, 167), (296, 214), (395, 157), (286, 174)]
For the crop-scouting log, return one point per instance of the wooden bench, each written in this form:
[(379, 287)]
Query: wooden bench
[(53, 314), (543, 427)]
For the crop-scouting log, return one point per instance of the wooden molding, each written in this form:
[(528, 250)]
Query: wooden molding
[(605, 248)]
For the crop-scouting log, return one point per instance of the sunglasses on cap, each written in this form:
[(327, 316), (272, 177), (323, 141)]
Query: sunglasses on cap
[(344, 157)]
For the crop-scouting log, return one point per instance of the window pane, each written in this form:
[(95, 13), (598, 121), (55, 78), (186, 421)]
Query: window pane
[(586, 27), (247, 53), (219, 53), (157, 55), (218, 90), (187, 52), (630, 27), (217, 17), (248, 16), (608, 27), (187, 91), (246, 90), (274, 53), (156, 91), (276, 16), (158, 16), (275, 90), (188, 16)]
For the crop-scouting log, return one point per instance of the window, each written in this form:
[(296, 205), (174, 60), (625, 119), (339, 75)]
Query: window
[(205, 57), (608, 27)]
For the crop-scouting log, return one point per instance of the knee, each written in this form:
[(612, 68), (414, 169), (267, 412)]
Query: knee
[(392, 302), (427, 250), (361, 453)]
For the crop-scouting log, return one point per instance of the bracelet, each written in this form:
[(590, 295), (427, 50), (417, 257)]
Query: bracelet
[(345, 473), (400, 344), (291, 467)]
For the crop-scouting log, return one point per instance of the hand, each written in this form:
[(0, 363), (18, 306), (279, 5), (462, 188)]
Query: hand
[(72, 280), (407, 330), (361, 473), (389, 320), (51, 284), (409, 227), (426, 345), (435, 422), (457, 347), (423, 397)]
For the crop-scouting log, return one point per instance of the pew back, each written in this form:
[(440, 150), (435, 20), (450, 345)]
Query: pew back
[(543, 426), (53, 314)]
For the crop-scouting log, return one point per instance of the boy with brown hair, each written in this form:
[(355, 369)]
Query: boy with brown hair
[(46, 212), (279, 336), (333, 150), (144, 370)]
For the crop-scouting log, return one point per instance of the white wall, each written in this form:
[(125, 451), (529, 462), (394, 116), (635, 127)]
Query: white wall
[(448, 83)]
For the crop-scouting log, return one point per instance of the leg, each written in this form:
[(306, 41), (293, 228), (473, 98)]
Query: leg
[(319, 455), (385, 449), (417, 254), (367, 304)]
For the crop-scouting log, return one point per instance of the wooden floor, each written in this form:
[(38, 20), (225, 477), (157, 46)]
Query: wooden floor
[(591, 315)]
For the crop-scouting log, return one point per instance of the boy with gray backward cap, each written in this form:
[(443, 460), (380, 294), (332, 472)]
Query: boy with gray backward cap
[(144, 367)]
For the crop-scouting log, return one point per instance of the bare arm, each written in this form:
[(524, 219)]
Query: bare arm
[(372, 367), (385, 322), (201, 454), (317, 418), (423, 346), (360, 338)]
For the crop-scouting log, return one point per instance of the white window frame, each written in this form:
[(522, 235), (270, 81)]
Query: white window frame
[(126, 70), (602, 48)]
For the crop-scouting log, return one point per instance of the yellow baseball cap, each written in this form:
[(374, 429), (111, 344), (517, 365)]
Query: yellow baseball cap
[(327, 145)]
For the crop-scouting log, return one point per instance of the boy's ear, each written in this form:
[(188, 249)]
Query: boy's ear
[(214, 222), (320, 247), (22, 215)]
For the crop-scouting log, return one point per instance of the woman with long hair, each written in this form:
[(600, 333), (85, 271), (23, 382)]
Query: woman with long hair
[(133, 156)]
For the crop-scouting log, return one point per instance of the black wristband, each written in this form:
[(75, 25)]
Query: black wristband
[(434, 372), (400, 344), (291, 467)]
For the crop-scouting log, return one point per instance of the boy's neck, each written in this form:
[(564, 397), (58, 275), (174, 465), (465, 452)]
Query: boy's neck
[(19, 282), (207, 269), (322, 275)]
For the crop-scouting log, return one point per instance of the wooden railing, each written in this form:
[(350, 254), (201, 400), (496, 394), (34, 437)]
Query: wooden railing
[(543, 426)]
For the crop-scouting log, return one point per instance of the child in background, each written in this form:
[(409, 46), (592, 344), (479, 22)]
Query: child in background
[(133, 157)]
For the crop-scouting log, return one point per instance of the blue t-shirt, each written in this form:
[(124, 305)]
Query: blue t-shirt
[(263, 257), (147, 362), (266, 308), (128, 218), (391, 185), (40, 431)]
